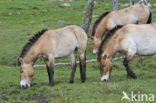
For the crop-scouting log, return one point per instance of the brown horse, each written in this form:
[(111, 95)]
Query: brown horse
[(135, 14), (132, 39), (51, 44)]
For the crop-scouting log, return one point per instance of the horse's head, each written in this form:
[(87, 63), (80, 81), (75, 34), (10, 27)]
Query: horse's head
[(26, 74), (96, 44), (105, 67)]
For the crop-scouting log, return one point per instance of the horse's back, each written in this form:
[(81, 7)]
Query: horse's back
[(65, 40), (141, 37), (131, 15)]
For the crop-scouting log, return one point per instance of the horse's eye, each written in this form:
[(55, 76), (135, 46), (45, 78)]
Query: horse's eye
[(22, 71)]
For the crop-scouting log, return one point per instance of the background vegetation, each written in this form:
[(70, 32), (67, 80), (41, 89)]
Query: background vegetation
[(21, 19)]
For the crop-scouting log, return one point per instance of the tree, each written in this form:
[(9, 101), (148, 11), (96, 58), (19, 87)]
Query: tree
[(143, 2), (131, 2), (100, 0), (88, 15), (115, 4)]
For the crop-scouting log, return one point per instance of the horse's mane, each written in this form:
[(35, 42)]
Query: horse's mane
[(30, 43), (106, 40), (98, 21)]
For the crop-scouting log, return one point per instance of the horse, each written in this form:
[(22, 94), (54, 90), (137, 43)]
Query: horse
[(51, 44), (131, 39), (138, 13)]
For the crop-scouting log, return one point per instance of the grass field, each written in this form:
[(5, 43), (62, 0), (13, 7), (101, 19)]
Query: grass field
[(20, 19)]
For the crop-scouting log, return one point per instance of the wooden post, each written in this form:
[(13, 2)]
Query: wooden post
[(71, 0), (131, 2), (88, 15), (100, 0), (143, 2), (115, 4)]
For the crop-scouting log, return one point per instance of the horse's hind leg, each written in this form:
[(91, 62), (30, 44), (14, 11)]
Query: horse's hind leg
[(50, 69), (74, 65), (82, 65), (130, 73)]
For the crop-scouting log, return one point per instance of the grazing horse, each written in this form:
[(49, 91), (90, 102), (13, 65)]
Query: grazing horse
[(51, 44), (132, 39), (132, 15)]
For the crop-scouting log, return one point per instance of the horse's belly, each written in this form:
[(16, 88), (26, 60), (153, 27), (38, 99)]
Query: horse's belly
[(60, 54), (146, 50), (64, 49)]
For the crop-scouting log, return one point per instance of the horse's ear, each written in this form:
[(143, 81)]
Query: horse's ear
[(104, 57), (20, 61)]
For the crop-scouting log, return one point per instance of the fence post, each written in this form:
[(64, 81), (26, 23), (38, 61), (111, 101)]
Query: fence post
[(88, 15)]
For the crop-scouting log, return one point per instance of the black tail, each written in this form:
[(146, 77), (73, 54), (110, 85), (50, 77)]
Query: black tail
[(149, 21)]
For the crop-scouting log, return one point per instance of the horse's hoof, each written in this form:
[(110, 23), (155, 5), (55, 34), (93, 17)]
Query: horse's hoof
[(132, 75), (71, 81), (83, 78), (51, 85), (82, 81)]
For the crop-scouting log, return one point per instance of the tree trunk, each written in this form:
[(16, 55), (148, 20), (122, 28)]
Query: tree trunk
[(88, 15), (100, 0), (71, 0), (115, 4), (143, 2), (131, 2)]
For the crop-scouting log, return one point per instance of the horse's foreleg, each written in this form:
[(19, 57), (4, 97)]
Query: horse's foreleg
[(50, 69), (51, 74), (129, 55), (130, 73), (74, 65), (83, 67)]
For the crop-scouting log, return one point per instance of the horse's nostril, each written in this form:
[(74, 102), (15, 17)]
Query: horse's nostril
[(22, 86), (105, 80), (26, 86)]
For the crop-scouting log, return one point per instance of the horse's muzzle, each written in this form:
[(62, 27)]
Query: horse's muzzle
[(105, 78), (95, 52), (24, 84)]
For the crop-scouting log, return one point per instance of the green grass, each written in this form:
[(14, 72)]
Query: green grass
[(15, 30)]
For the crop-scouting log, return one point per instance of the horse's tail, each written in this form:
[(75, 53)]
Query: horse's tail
[(149, 21), (81, 37)]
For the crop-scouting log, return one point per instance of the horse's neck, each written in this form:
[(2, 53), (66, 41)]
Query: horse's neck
[(112, 48), (31, 56), (101, 29)]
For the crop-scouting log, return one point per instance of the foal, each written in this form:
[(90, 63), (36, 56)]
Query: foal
[(132, 15), (132, 39), (51, 44)]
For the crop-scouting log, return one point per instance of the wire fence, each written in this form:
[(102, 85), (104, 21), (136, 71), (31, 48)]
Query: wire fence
[(87, 61)]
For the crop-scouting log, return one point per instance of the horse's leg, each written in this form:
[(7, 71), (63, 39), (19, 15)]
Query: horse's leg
[(82, 65), (130, 73), (126, 63), (74, 65), (50, 69)]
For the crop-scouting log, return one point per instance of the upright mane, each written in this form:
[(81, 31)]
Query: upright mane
[(30, 43), (98, 21), (106, 40)]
